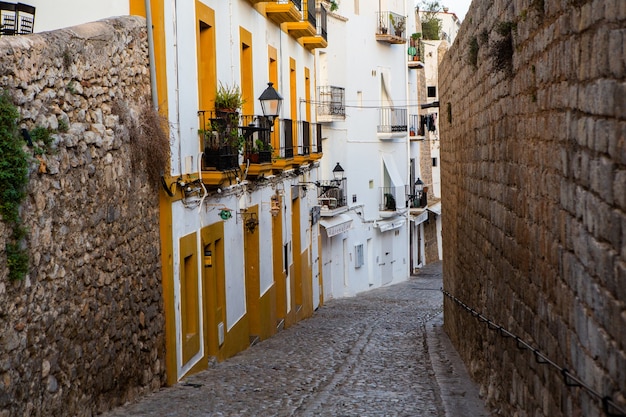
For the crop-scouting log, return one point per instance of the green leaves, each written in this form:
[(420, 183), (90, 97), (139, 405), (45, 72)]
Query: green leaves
[(13, 181)]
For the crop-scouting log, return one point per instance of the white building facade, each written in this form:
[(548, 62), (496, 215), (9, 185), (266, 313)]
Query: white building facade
[(362, 103)]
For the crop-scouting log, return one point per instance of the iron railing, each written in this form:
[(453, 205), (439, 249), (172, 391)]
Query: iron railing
[(391, 120), (390, 23), (391, 198), (304, 142), (322, 23), (331, 101), (332, 193), (310, 11), (219, 140)]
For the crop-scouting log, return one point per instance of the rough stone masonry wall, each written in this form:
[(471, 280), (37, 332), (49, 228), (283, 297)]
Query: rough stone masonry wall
[(84, 330), (534, 190)]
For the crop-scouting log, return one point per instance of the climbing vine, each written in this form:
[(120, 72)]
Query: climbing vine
[(13, 180)]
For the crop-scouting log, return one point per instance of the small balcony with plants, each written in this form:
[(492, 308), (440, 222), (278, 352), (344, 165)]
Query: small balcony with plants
[(392, 123), (220, 141), (331, 104), (391, 27), (392, 199), (331, 196), (415, 51), (417, 196), (257, 145), (416, 128)]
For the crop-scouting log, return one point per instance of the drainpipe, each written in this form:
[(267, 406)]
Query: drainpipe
[(153, 87)]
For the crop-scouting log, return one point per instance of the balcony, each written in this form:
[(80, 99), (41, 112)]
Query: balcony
[(392, 199), (220, 141), (305, 27), (331, 104), (416, 199), (415, 52), (316, 146), (391, 28), (283, 154), (284, 11), (392, 123), (257, 147), (309, 147), (303, 149), (16, 19), (320, 39), (416, 127), (332, 197)]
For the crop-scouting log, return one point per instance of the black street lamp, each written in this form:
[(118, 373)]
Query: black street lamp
[(271, 101), (338, 172), (419, 190)]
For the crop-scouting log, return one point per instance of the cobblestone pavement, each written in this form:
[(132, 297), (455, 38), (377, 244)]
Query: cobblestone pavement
[(381, 353)]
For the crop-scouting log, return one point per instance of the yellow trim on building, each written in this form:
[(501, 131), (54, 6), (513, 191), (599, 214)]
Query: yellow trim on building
[(137, 8), (246, 68), (207, 65), (189, 297)]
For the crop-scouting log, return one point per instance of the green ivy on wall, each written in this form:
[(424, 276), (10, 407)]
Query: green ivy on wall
[(13, 180)]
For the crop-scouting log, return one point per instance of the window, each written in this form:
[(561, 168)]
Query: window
[(358, 256), (432, 91), (434, 162)]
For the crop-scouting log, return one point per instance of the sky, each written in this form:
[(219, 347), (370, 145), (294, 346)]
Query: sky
[(458, 7)]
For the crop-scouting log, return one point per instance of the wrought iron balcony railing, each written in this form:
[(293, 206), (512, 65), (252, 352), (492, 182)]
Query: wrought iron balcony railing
[(392, 198), (322, 23), (392, 120), (391, 27), (331, 101), (332, 194)]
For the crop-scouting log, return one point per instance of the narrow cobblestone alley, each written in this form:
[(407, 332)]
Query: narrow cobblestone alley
[(381, 353)]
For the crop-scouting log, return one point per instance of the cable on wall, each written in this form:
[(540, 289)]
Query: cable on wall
[(609, 406)]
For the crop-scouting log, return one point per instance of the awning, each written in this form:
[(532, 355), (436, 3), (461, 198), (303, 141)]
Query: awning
[(337, 224), (421, 218), (430, 105), (387, 225), (435, 208), (392, 170)]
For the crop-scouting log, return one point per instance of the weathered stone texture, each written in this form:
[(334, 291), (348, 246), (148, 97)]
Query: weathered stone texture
[(534, 186), (84, 330)]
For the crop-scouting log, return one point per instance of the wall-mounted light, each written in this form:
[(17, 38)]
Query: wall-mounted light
[(225, 214), (250, 220), (274, 206)]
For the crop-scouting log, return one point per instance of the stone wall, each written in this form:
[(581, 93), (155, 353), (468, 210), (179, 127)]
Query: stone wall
[(84, 330), (533, 124)]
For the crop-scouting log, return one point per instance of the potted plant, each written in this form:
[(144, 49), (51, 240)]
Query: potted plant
[(398, 25), (228, 99), (414, 38), (260, 152)]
